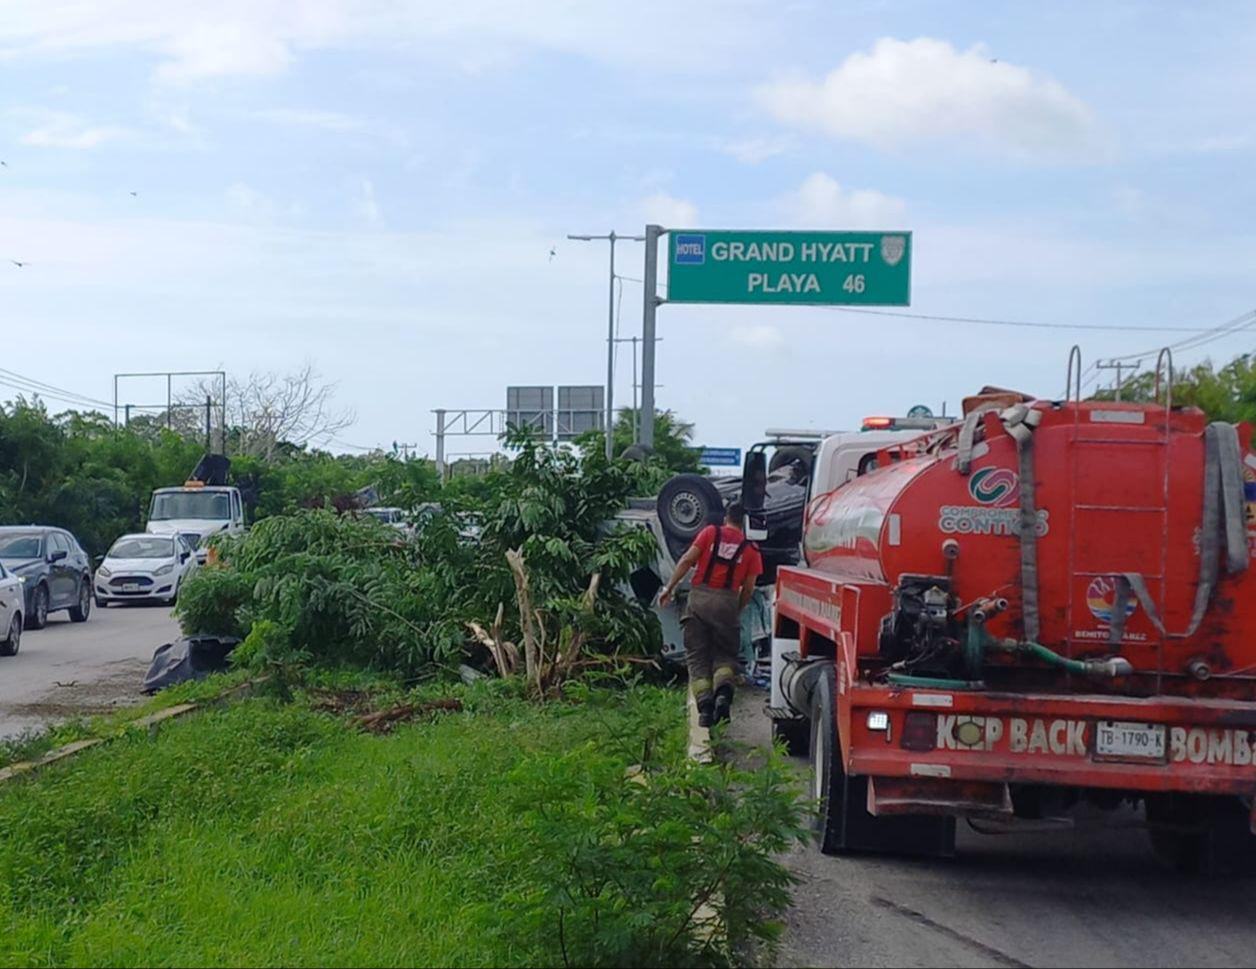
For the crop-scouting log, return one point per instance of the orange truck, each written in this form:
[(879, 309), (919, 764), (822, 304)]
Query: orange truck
[(1046, 604)]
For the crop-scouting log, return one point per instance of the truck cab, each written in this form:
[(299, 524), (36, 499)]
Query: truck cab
[(204, 505)]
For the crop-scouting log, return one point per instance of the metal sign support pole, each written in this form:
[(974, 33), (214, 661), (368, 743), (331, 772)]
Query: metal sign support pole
[(651, 303)]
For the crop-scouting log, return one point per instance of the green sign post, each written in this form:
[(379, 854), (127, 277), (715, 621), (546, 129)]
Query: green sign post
[(825, 268)]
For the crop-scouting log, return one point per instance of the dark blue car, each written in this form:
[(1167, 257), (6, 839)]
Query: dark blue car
[(55, 571)]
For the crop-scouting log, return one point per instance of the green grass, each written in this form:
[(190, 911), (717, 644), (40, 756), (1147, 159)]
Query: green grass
[(29, 745), (267, 834)]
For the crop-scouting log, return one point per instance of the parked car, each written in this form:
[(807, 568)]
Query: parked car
[(144, 568), (12, 604), (54, 571)]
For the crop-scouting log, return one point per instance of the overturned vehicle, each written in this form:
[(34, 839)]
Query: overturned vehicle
[(780, 475)]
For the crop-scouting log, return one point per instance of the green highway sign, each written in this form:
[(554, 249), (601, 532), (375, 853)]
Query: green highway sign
[(826, 268)]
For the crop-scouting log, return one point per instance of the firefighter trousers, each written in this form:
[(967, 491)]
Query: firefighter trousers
[(712, 627)]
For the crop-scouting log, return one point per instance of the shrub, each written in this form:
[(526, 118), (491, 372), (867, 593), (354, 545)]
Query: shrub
[(339, 589), (212, 601), (674, 866)]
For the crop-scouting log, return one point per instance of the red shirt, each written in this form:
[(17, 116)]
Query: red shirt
[(749, 563)]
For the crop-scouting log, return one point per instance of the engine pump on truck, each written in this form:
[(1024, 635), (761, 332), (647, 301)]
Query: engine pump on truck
[(1046, 604)]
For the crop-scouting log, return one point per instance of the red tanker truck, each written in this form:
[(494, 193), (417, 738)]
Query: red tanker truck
[(1044, 605)]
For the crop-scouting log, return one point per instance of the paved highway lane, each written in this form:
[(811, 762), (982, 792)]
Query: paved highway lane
[(1086, 896), (70, 669)]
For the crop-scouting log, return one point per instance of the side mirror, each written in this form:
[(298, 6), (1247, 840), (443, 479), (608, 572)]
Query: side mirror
[(754, 481), (58, 555), (185, 556), (98, 561)]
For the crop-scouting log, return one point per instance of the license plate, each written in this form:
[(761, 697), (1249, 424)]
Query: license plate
[(1138, 741), (130, 587)]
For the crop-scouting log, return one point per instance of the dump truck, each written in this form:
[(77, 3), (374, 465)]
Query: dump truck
[(1044, 606)]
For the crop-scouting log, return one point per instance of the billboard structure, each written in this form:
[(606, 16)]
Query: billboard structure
[(532, 408), (580, 409)]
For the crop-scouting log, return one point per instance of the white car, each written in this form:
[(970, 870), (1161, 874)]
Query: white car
[(12, 600), (144, 568)]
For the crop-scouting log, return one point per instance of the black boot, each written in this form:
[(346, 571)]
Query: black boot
[(723, 703), (705, 712)]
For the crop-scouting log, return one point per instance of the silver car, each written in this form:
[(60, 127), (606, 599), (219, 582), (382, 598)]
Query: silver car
[(12, 601)]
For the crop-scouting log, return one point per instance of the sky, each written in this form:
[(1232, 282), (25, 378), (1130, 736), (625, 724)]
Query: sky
[(376, 188)]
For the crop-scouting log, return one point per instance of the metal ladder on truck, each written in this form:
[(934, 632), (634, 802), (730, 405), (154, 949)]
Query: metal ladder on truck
[(1146, 516)]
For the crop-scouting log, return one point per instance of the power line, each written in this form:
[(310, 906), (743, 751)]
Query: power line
[(51, 389), (43, 394), (1236, 325), (1138, 328)]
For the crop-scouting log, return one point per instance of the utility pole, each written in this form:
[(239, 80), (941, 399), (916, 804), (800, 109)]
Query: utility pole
[(650, 280), (612, 237), (1117, 365), (636, 384), (209, 424)]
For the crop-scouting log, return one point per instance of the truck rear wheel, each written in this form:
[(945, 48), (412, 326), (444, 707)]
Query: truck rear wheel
[(1201, 834), (843, 823)]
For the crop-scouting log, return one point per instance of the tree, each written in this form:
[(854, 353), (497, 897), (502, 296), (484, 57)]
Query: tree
[(673, 438), (1225, 394), (268, 412)]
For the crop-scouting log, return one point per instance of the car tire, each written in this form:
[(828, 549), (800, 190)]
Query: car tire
[(38, 617), (791, 455), (83, 608), (10, 646), (842, 823), (686, 504), (102, 603)]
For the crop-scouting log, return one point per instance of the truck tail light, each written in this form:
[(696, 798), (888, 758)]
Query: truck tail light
[(874, 423), (920, 731)]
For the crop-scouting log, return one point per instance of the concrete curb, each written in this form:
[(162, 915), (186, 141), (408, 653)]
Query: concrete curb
[(152, 722)]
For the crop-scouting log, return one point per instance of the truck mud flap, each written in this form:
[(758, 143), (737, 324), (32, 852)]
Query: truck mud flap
[(889, 796), (909, 834)]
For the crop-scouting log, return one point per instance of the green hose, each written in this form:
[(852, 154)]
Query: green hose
[(1055, 659), (930, 683)]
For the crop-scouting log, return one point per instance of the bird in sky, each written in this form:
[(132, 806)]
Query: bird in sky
[(3, 163), (553, 253), (18, 264), (135, 195)]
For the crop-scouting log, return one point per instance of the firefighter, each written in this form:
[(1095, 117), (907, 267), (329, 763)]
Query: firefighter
[(728, 565)]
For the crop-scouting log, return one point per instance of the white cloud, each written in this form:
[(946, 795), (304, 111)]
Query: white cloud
[(262, 37), (250, 205), (821, 202), (910, 92), (669, 211), (61, 130), (336, 122), (222, 49), (752, 151), (758, 336), (366, 205)]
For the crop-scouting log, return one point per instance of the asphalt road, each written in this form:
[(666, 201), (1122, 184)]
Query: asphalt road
[(1092, 895), (73, 669)]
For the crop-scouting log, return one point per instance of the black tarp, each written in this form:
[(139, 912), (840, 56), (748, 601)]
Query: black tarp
[(189, 658)]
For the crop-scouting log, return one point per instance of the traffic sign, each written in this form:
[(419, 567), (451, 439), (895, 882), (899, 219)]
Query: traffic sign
[(827, 268), (720, 457)]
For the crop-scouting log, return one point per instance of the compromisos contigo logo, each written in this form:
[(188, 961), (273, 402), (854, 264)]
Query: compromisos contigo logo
[(690, 249), (998, 487), (1101, 598)]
